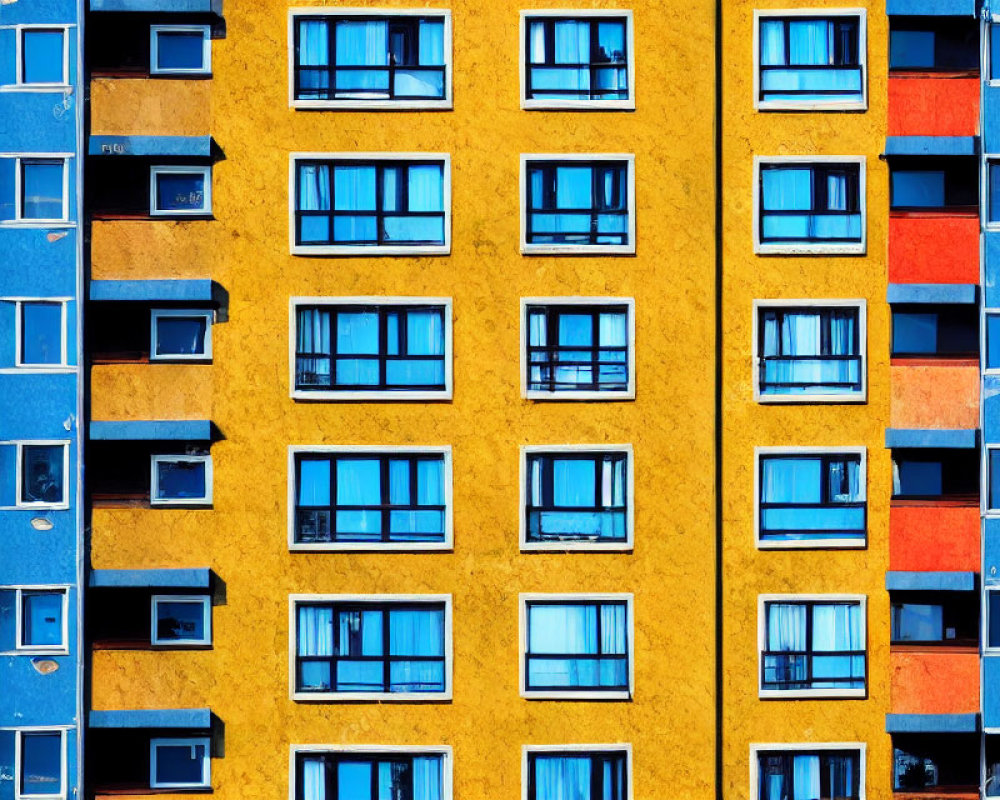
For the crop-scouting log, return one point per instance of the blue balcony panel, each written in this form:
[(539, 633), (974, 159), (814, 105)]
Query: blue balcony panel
[(145, 578), (196, 291), (189, 718), (931, 8), (930, 581), (931, 146), (194, 146), (932, 293), (188, 430), (960, 438), (159, 6), (932, 723)]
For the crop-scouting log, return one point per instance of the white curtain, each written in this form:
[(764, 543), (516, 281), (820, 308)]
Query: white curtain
[(772, 42), (364, 43), (805, 775), (810, 42), (314, 187), (313, 779), (315, 631), (562, 778), (427, 778)]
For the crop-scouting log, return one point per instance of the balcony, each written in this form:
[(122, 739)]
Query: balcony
[(934, 246), (928, 682), (929, 537), (934, 395), (933, 104), (135, 106)]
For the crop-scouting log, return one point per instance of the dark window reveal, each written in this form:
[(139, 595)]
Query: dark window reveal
[(935, 330), (929, 474), (933, 43), (934, 183)]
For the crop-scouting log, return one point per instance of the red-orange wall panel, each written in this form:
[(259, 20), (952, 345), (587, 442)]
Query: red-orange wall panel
[(933, 249), (928, 682), (933, 106), (934, 538)]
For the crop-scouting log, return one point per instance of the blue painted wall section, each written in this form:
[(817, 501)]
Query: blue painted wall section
[(42, 545)]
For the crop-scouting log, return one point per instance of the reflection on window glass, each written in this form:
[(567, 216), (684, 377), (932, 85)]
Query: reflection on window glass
[(41, 763), (181, 336), (181, 620), (42, 189), (181, 192), (41, 333), (181, 479), (42, 473)]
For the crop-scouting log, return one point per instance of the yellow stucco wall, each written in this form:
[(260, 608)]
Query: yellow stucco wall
[(244, 679), (749, 572)]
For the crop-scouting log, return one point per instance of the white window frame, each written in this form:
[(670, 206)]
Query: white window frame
[(444, 104), (157, 314), (598, 105), (19, 503), (988, 589), (19, 220), (385, 697), (812, 105), (19, 83), (193, 741), (992, 23), (579, 249), (843, 399), (811, 248), (793, 694), (364, 251), (368, 394), (21, 649), (824, 544), (615, 547), (18, 756), (204, 600), (449, 531), (444, 750), (582, 749), (206, 50), (566, 694), (984, 338), (19, 365), (160, 169), (568, 302), (155, 462), (988, 159), (984, 481), (758, 747)]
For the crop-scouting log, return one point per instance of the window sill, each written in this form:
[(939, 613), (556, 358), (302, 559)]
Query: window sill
[(370, 547), (372, 105), (619, 696), (51, 88), (765, 106), (109, 216), (590, 396), (118, 791), (386, 396), (812, 544), (366, 251), (577, 105), (577, 546), (577, 250), (848, 398), (809, 249), (371, 697), (812, 694)]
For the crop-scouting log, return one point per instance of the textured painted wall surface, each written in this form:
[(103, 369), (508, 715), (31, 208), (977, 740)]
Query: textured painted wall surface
[(933, 249), (933, 106), (245, 677), (933, 538), (934, 397), (151, 391), (171, 107), (927, 682), (749, 572)]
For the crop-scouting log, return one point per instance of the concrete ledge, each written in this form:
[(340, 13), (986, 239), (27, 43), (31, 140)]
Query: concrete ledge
[(930, 581), (194, 146), (932, 723), (190, 430), (932, 293), (142, 578), (191, 718), (166, 290), (961, 438), (931, 146), (163, 6)]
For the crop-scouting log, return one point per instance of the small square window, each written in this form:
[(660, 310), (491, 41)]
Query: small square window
[(41, 619), (180, 335), (180, 763), (41, 767), (41, 334), (43, 475), (180, 191), (181, 480), (42, 194), (44, 57), (181, 621), (180, 50)]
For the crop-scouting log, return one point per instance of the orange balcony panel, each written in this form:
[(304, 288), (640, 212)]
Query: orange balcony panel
[(928, 681), (931, 538), (932, 396), (120, 107), (933, 248), (149, 249), (933, 105), (151, 391)]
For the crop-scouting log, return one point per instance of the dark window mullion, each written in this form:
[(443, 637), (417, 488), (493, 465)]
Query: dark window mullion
[(384, 496), (383, 345), (386, 660), (334, 465)]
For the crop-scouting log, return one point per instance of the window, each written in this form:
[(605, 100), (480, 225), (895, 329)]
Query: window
[(372, 647), (811, 498), (811, 62), (360, 498), (372, 773), (180, 335), (371, 204), (991, 359), (180, 50), (576, 646), (43, 57), (42, 191), (991, 636), (577, 497), (812, 646), (935, 618), (40, 763), (578, 203), (357, 59), (933, 43), (927, 762), (935, 184), (181, 621), (809, 205), (577, 772), (181, 480), (935, 330), (821, 771), (41, 334), (34, 619), (578, 349), (180, 191), (930, 474), (180, 763), (993, 478), (577, 60), (373, 348), (810, 352), (993, 192), (42, 469)]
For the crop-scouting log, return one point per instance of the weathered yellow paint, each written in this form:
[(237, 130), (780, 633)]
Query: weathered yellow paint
[(244, 678), (170, 107), (749, 572), (151, 391)]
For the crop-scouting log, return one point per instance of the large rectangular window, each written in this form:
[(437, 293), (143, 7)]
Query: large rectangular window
[(933, 44), (43, 57), (576, 497), (34, 619), (180, 763), (575, 350), (812, 499), (948, 763), (810, 206), (43, 192), (370, 773), (811, 61), (580, 772), (800, 771), (40, 771), (369, 499), (812, 647), (929, 474), (380, 648), (938, 330), (349, 204), (375, 348), (935, 618), (402, 60), (810, 353), (576, 646), (579, 60), (41, 334), (578, 204), (934, 184)]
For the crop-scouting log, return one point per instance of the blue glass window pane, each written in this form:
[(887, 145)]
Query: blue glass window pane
[(359, 676), (362, 43), (576, 329), (914, 333), (920, 478), (180, 50), (424, 333), (314, 675), (357, 372), (918, 189), (573, 187), (43, 56), (911, 49), (180, 621), (41, 763), (994, 190), (42, 619), (414, 373), (416, 632), (426, 187), (354, 188), (912, 622), (563, 778), (181, 336), (354, 781), (359, 482), (424, 230), (42, 474), (180, 480), (416, 676), (992, 341), (42, 189), (180, 191), (418, 83), (180, 763), (357, 332), (418, 526), (787, 189), (573, 482), (994, 467), (41, 333)]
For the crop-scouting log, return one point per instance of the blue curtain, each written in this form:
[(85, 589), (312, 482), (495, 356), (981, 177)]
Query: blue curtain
[(837, 627), (810, 42), (314, 43), (805, 776), (787, 189), (357, 334), (562, 629), (418, 632), (572, 46), (573, 187), (573, 482), (772, 42), (313, 337), (562, 777), (792, 480), (426, 187), (430, 483), (314, 483), (427, 778), (359, 483), (362, 43), (431, 48), (313, 779), (786, 632)]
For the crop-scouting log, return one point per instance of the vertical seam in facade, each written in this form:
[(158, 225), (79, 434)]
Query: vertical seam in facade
[(719, 793)]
